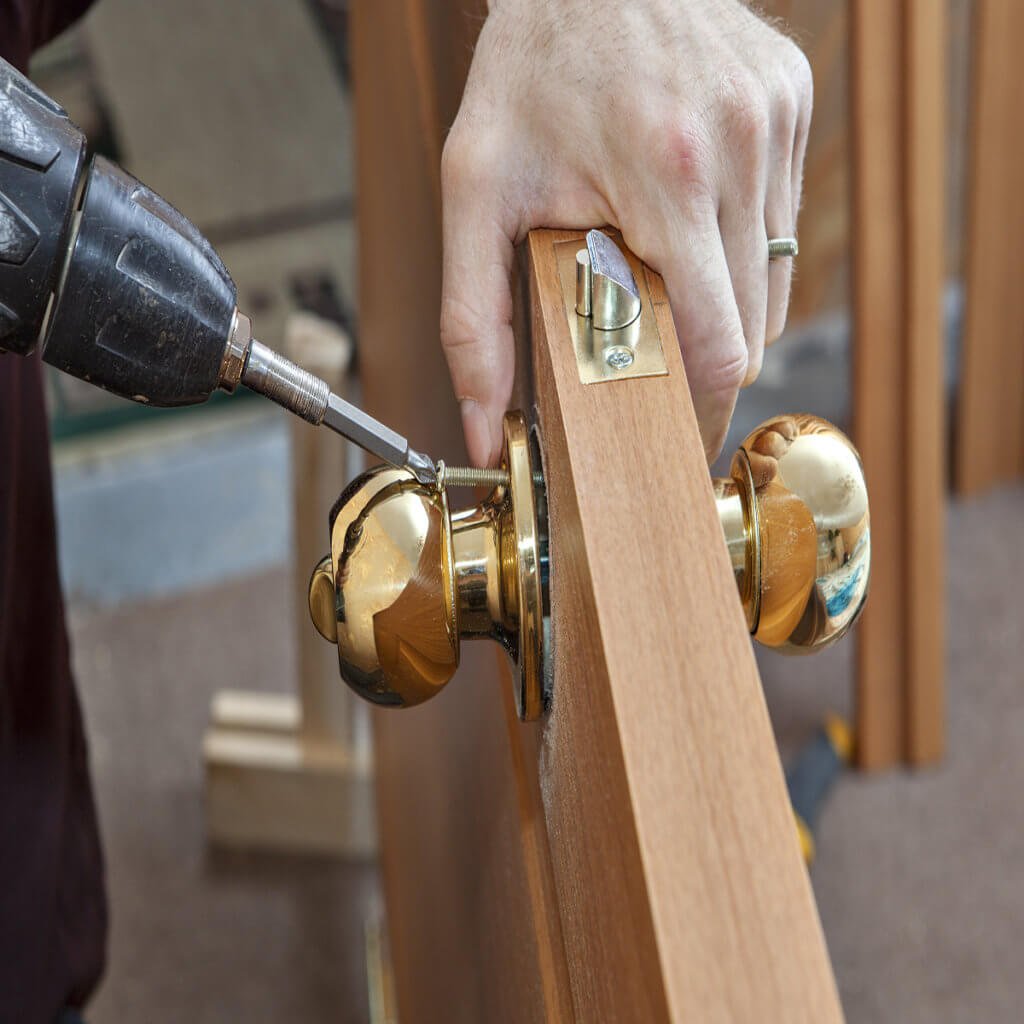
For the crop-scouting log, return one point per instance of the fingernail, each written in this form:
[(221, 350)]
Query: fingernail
[(477, 431)]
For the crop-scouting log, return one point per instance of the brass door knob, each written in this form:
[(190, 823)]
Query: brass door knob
[(795, 515), (407, 579)]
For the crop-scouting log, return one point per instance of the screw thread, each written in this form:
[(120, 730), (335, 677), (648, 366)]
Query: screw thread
[(469, 476)]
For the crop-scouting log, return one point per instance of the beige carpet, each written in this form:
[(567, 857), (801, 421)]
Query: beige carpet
[(920, 876), (196, 936)]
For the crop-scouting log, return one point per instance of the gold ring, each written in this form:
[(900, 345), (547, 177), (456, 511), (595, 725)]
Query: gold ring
[(782, 248)]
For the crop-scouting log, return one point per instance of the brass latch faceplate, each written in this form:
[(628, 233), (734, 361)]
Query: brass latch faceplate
[(610, 309)]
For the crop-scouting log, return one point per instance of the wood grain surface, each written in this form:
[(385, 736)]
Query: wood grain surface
[(924, 58), (879, 383), (990, 417), (680, 885)]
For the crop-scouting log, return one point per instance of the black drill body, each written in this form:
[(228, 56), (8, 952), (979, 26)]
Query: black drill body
[(113, 283)]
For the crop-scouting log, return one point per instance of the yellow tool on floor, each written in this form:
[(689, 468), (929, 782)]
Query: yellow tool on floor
[(812, 773)]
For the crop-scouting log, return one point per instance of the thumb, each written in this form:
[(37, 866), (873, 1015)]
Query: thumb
[(476, 310)]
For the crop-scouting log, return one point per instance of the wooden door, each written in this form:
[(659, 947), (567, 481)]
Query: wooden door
[(631, 856)]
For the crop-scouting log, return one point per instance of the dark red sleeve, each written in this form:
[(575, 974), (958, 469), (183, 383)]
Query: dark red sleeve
[(53, 917), (25, 25)]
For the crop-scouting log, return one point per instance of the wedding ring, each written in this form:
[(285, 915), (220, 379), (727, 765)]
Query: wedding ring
[(782, 248)]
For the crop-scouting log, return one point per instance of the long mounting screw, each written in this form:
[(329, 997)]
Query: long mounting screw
[(468, 476)]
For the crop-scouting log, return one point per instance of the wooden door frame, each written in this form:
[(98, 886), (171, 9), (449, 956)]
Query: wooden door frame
[(989, 440), (897, 89)]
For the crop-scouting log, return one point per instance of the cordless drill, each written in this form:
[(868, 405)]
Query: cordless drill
[(121, 290)]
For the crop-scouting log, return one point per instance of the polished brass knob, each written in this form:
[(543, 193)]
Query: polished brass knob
[(407, 579), (795, 515)]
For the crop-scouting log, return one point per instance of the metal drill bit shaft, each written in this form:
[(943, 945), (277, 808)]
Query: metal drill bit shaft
[(306, 395)]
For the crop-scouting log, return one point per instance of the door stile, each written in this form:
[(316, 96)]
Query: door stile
[(680, 883)]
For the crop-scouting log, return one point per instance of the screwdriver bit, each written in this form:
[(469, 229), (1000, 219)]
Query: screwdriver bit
[(309, 397)]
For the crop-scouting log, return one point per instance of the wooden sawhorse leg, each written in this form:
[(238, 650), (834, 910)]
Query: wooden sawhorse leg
[(295, 771)]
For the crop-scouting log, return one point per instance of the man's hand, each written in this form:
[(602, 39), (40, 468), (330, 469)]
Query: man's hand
[(681, 122)]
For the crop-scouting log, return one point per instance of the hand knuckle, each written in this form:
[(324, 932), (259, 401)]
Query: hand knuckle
[(453, 160), (727, 369), (686, 154), (745, 105), (460, 325), (801, 72), (785, 101), (785, 116), (464, 161), (801, 78)]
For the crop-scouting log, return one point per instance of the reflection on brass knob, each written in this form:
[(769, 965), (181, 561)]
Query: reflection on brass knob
[(407, 580), (795, 516)]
